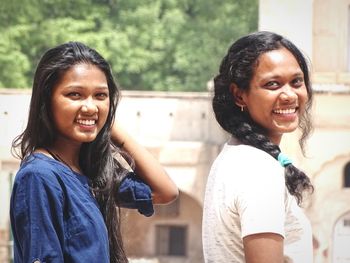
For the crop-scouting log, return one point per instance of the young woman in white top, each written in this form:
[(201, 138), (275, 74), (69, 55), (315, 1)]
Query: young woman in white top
[(252, 202)]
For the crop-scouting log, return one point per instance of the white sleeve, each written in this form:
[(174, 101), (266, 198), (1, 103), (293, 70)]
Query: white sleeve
[(260, 203)]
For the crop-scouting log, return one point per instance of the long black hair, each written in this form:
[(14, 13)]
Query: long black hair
[(238, 67), (97, 157)]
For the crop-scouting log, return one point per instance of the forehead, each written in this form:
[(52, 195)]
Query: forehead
[(82, 73), (81, 69), (277, 61)]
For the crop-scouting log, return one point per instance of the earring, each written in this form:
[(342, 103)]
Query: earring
[(242, 108)]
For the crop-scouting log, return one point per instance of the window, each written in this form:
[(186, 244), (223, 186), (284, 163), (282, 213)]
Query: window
[(171, 240), (347, 175), (346, 222)]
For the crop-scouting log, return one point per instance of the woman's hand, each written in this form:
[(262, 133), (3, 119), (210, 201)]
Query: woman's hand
[(146, 167)]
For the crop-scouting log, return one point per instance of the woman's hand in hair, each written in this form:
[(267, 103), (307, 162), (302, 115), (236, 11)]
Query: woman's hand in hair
[(147, 167)]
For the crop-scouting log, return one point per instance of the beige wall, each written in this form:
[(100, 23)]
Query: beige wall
[(320, 28), (159, 117), (188, 154), (329, 152), (331, 42), (139, 232), (292, 19)]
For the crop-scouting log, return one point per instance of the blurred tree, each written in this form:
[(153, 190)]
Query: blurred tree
[(150, 44)]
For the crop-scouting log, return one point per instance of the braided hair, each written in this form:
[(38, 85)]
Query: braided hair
[(238, 67)]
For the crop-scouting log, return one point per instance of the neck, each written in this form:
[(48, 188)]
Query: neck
[(67, 155), (276, 139)]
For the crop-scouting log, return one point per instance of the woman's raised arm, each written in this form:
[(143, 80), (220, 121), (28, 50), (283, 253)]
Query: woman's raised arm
[(147, 167)]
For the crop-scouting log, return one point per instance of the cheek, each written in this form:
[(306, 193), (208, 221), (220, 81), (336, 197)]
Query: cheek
[(56, 114), (61, 120), (104, 110), (303, 98), (63, 113)]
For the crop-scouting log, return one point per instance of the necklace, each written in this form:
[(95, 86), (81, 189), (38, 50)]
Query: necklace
[(59, 159)]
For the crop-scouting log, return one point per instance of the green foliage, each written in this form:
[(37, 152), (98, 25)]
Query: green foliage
[(150, 44)]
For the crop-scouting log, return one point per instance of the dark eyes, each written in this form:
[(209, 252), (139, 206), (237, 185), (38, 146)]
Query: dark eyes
[(296, 83), (73, 95), (272, 84), (102, 95), (76, 95)]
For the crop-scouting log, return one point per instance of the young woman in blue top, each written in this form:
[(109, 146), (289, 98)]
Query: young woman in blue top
[(66, 195)]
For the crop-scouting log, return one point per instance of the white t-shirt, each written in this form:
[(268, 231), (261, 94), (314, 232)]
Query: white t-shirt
[(246, 194)]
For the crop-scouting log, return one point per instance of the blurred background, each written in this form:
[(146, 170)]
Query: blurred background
[(167, 45), (164, 54)]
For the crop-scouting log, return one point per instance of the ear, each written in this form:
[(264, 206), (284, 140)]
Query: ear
[(237, 95)]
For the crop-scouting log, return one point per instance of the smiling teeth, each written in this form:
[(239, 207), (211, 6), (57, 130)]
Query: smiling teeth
[(286, 111), (86, 122)]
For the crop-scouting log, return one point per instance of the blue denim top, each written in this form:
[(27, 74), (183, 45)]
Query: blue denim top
[(55, 218)]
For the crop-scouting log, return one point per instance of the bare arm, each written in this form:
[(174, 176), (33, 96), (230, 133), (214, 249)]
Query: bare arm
[(147, 167), (263, 248)]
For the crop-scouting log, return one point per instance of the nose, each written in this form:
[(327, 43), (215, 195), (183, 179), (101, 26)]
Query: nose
[(89, 106), (288, 93)]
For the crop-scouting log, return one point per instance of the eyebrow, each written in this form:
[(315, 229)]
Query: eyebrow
[(277, 76), (81, 87)]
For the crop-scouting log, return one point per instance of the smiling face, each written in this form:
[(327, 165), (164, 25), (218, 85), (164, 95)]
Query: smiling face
[(277, 94), (80, 104)]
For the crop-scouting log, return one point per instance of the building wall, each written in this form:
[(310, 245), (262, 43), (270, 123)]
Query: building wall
[(140, 233), (187, 156), (331, 41), (292, 19), (329, 150), (321, 29), (331, 35)]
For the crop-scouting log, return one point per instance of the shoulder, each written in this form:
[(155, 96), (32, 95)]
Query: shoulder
[(39, 169), (246, 164), (255, 156), (247, 156), (261, 166), (37, 182)]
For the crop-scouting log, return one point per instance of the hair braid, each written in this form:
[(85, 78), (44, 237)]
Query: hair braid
[(296, 180)]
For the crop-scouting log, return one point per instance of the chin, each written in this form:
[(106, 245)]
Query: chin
[(288, 130), (86, 139)]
